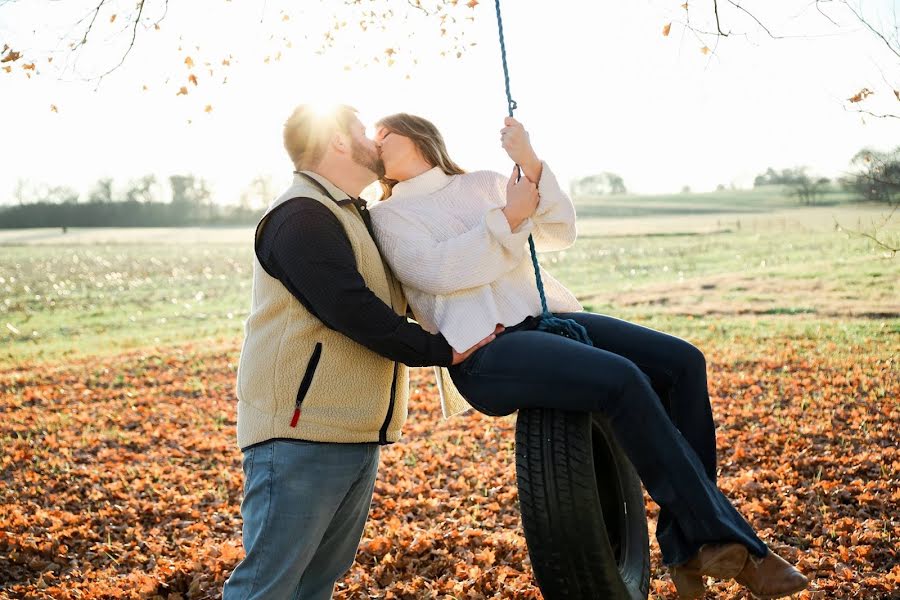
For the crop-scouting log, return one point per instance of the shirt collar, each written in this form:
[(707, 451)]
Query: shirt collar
[(336, 193), (421, 185)]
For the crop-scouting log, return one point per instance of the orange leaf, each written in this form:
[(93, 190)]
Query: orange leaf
[(667, 28), (208, 108), (28, 67), (182, 91), (861, 95), (705, 49), (11, 56), (286, 18), (7, 68), (189, 62), (53, 108), (390, 52), (472, 3), (112, 19), (192, 78), (684, 6)]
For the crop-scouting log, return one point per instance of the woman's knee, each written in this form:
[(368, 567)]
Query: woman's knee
[(690, 358)]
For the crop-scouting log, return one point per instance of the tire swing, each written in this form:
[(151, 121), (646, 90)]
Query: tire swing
[(580, 498)]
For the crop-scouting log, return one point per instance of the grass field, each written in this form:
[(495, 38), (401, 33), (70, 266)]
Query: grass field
[(121, 479)]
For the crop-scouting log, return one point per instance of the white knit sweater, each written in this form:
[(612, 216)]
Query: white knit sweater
[(463, 270)]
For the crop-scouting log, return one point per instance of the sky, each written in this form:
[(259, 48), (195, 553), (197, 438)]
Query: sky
[(599, 87)]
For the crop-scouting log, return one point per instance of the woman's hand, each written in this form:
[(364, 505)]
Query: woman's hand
[(516, 142), (521, 200), (459, 357)]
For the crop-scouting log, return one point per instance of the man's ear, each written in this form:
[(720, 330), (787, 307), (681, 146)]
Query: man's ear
[(340, 142)]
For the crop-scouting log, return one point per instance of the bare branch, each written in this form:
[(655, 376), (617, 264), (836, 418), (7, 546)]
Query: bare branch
[(896, 51), (716, 11), (870, 236), (137, 21)]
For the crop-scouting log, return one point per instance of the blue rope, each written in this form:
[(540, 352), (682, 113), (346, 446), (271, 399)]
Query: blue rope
[(548, 322)]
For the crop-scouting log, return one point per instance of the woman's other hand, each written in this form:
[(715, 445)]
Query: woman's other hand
[(459, 357), (521, 200), (517, 143)]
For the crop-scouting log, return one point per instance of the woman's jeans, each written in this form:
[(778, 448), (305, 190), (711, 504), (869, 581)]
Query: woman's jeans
[(304, 509), (651, 387)]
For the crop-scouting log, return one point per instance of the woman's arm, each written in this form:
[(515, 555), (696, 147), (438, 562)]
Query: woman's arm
[(475, 258), (554, 218)]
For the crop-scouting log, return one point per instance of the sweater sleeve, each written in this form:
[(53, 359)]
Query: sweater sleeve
[(475, 258), (304, 246), (554, 220)]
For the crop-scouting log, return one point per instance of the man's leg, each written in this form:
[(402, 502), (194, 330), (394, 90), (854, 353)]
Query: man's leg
[(292, 491), (337, 551), (533, 369)]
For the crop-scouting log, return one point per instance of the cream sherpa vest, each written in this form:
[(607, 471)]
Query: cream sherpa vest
[(299, 379)]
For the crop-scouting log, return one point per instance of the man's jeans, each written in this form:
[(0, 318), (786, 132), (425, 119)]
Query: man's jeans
[(304, 509), (652, 388)]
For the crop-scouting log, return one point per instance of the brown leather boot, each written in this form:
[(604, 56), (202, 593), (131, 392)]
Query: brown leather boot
[(722, 561), (771, 577)]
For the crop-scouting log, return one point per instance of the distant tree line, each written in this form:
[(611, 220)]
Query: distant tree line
[(875, 177), (140, 204)]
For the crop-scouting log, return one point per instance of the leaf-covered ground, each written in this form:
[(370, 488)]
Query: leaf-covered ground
[(120, 478)]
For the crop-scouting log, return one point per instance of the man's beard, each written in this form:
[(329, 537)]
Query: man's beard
[(366, 158)]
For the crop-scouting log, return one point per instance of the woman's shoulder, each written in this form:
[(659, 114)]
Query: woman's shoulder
[(484, 180)]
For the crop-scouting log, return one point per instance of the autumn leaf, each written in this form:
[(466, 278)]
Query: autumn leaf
[(705, 49), (182, 91), (286, 18), (11, 56), (472, 3), (390, 52), (666, 29), (53, 108), (684, 6), (208, 108), (861, 95), (189, 62), (192, 78), (28, 67), (112, 19), (7, 68)]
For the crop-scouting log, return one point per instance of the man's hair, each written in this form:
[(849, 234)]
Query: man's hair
[(309, 130), (426, 138)]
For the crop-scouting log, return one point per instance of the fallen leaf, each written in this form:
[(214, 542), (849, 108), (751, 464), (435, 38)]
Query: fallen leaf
[(861, 95), (189, 62), (182, 91), (11, 56), (112, 19), (192, 78), (667, 28), (53, 108)]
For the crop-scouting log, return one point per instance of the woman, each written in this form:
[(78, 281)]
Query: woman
[(457, 242)]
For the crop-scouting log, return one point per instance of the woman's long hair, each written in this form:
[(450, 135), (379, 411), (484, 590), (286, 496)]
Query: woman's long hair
[(426, 138)]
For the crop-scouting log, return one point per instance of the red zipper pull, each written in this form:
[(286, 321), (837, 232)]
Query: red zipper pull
[(296, 416)]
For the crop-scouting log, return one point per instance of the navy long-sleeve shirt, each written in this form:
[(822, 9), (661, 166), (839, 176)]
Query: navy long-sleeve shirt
[(305, 247)]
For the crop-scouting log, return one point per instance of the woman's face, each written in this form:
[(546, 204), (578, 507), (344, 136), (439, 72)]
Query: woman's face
[(399, 153)]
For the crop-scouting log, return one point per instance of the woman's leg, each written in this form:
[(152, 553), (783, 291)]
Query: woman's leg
[(677, 370), (532, 369)]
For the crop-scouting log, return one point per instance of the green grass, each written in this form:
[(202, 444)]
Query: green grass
[(782, 273)]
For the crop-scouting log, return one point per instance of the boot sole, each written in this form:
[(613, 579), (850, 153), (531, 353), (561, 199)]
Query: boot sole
[(784, 594)]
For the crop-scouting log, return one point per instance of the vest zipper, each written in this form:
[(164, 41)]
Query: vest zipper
[(307, 381), (382, 435)]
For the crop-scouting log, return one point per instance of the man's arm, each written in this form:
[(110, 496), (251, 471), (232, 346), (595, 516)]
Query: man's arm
[(304, 246)]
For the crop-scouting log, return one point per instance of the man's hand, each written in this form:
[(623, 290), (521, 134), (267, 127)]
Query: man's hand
[(521, 200), (458, 358), (516, 142)]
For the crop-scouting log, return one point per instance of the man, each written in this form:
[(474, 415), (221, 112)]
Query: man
[(322, 380)]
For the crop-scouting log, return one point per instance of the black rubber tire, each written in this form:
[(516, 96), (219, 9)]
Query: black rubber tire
[(582, 508)]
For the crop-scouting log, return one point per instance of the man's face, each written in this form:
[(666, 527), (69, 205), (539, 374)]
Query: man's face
[(363, 151)]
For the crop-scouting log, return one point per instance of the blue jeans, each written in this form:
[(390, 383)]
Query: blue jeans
[(304, 509), (651, 387)]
